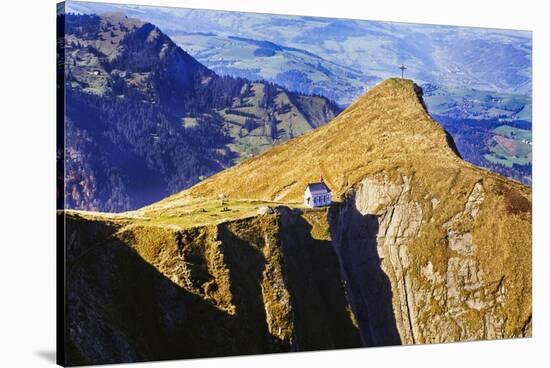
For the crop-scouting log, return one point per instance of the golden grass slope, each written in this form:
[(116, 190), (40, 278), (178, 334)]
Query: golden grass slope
[(387, 140), (385, 131)]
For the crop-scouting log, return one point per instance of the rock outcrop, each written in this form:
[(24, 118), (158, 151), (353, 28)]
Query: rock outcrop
[(431, 248), (405, 292), (140, 292), (419, 247)]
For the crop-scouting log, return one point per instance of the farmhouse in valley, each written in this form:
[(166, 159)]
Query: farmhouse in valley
[(317, 195)]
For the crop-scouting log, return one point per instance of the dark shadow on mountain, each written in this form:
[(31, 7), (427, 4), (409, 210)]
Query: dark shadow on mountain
[(448, 138), (368, 287), (246, 264), (119, 308), (322, 318), (452, 144)]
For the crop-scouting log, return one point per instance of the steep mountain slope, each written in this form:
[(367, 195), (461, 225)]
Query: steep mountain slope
[(144, 119), (387, 130), (138, 291), (418, 247), (452, 240)]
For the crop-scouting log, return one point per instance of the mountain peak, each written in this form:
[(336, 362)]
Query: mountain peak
[(398, 88), (387, 130), (405, 98)]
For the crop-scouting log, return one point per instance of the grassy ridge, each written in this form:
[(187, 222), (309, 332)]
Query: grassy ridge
[(274, 270)]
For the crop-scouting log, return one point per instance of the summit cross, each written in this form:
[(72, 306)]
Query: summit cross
[(402, 67)]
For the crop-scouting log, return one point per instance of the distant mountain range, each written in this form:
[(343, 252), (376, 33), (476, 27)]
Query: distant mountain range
[(492, 60), (144, 119), (474, 79)]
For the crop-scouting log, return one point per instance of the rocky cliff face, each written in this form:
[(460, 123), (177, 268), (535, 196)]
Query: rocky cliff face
[(418, 247), (266, 284), (377, 269), (412, 279)]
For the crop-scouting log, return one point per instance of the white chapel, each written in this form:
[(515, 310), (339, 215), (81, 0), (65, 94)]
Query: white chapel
[(317, 195)]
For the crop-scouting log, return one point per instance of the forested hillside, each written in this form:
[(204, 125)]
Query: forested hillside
[(144, 119)]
